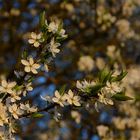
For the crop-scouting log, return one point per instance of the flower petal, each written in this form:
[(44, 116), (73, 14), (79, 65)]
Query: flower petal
[(27, 69), (36, 66), (25, 62)]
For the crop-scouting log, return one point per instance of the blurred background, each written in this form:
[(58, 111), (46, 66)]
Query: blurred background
[(100, 33)]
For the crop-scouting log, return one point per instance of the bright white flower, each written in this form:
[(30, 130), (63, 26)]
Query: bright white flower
[(3, 115), (86, 63), (71, 99), (35, 39), (103, 99), (83, 85), (15, 96), (7, 87), (53, 47), (30, 65), (28, 87), (15, 111), (59, 99), (28, 108), (53, 27), (113, 87), (62, 33)]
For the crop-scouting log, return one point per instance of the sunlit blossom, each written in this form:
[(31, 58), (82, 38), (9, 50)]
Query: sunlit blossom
[(30, 65), (7, 87)]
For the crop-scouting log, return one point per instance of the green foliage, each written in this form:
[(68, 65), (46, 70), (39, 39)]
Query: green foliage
[(62, 90), (105, 76), (37, 115), (119, 77), (121, 97), (93, 91), (42, 21)]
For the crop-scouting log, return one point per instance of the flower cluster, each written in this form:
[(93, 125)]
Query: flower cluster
[(12, 107), (102, 90), (66, 99)]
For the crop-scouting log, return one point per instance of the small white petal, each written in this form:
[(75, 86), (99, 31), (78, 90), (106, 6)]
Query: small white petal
[(27, 69), (34, 71), (4, 83), (31, 61), (31, 41), (33, 35), (25, 62), (36, 44), (36, 66)]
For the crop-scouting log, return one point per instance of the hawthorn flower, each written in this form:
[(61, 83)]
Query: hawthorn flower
[(15, 96), (30, 65), (7, 87), (86, 63), (3, 115), (62, 33), (112, 87), (71, 99), (15, 111), (103, 99), (53, 27), (35, 39), (28, 108), (83, 85), (53, 47), (59, 99), (28, 87)]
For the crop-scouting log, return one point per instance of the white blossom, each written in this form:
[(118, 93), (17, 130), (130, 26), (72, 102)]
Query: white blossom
[(53, 47), (83, 85), (59, 99), (28, 108), (35, 39), (103, 99), (28, 87), (62, 33), (15, 111), (30, 65), (113, 87), (15, 96), (7, 87), (72, 99), (3, 114), (53, 27)]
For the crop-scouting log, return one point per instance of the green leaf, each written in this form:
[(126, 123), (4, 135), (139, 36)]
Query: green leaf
[(93, 91), (24, 54), (119, 77), (105, 76), (137, 97), (42, 20), (37, 115), (62, 89), (121, 97)]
